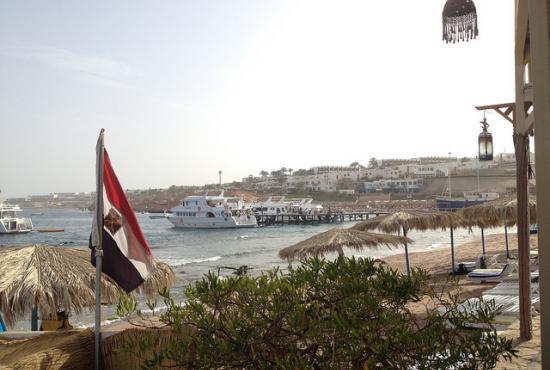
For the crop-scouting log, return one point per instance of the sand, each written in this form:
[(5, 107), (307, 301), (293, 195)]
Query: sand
[(438, 261)]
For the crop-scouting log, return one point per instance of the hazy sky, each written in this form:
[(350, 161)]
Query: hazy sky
[(186, 88)]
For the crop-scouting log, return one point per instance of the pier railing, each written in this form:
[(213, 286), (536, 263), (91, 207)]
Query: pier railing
[(313, 219)]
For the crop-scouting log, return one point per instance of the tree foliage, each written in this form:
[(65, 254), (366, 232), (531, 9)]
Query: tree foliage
[(373, 163), (344, 314)]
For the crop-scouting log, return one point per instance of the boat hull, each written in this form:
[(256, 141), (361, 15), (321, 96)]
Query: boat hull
[(230, 223), (15, 231), (15, 226), (452, 204)]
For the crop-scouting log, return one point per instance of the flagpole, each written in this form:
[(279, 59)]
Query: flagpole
[(99, 247)]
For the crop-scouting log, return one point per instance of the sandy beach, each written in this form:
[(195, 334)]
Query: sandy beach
[(438, 261)]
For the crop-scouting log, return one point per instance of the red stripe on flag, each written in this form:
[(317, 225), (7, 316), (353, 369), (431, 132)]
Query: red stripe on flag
[(118, 199)]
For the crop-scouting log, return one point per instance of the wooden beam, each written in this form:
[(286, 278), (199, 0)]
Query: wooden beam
[(508, 114), (496, 106), (530, 122), (522, 24), (538, 20)]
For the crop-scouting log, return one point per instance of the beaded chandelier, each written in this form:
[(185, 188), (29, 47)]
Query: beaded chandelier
[(459, 21)]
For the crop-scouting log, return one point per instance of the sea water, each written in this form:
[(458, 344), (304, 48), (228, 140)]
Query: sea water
[(192, 253)]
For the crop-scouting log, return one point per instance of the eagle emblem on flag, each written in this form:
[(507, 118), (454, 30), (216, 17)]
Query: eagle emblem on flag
[(113, 221)]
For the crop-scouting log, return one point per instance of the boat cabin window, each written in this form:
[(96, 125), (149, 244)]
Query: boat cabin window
[(187, 214), (210, 215)]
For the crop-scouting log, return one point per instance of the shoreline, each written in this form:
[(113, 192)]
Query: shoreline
[(435, 260)]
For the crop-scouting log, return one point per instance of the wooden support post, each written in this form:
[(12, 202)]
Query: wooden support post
[(540, 65), (521, 143), (34, 319), (452, 252), (506, 239), (483, 240)]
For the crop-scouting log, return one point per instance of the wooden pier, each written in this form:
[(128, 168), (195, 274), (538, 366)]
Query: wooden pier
[(312, 219)]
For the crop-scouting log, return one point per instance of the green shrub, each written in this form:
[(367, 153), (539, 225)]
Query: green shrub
[(344, 314)]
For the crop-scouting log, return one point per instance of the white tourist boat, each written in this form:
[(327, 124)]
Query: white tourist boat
[(278, 205), (212, 212), (305, 206), (10, 223)]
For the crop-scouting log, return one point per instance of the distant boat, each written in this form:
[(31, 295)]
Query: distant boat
[(160, 215), (469, 199), (10, 223), (50, 230), (37, 214), (278, 205)]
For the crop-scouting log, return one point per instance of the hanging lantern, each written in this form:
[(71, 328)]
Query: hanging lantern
[(459, 21), (485, 142)]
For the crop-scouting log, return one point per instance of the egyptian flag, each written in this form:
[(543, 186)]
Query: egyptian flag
[(127, 258)]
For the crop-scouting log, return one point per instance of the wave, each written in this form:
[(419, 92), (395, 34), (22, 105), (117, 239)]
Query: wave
[(436, 245), (81, 325), (182, 261), (246, 253), (105, 323)]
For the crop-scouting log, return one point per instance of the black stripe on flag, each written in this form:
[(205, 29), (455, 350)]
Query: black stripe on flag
[(116, 265)]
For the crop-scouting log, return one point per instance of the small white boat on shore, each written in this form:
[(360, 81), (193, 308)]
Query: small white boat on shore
[(158, 216), (10, 223), (212, 212)]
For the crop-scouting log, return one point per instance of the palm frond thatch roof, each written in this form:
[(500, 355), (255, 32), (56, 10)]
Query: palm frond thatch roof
[(499, 212), (335, 239), (65, 349), (50, 278), (411, 220)]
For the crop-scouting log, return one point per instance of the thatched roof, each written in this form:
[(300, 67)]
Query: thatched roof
[(58, 277), (333, 240), (502, 211), (411, 220), (67, 350)]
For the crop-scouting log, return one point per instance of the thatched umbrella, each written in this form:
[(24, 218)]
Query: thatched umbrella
[(413, 220), (45, 278), (335, 239), (500, 212)]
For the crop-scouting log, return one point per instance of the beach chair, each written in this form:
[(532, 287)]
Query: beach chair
[(481, 275), (509, 304), (466, 267), (472, 306)]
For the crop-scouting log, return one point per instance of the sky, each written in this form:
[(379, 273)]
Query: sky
[(186, 88)]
